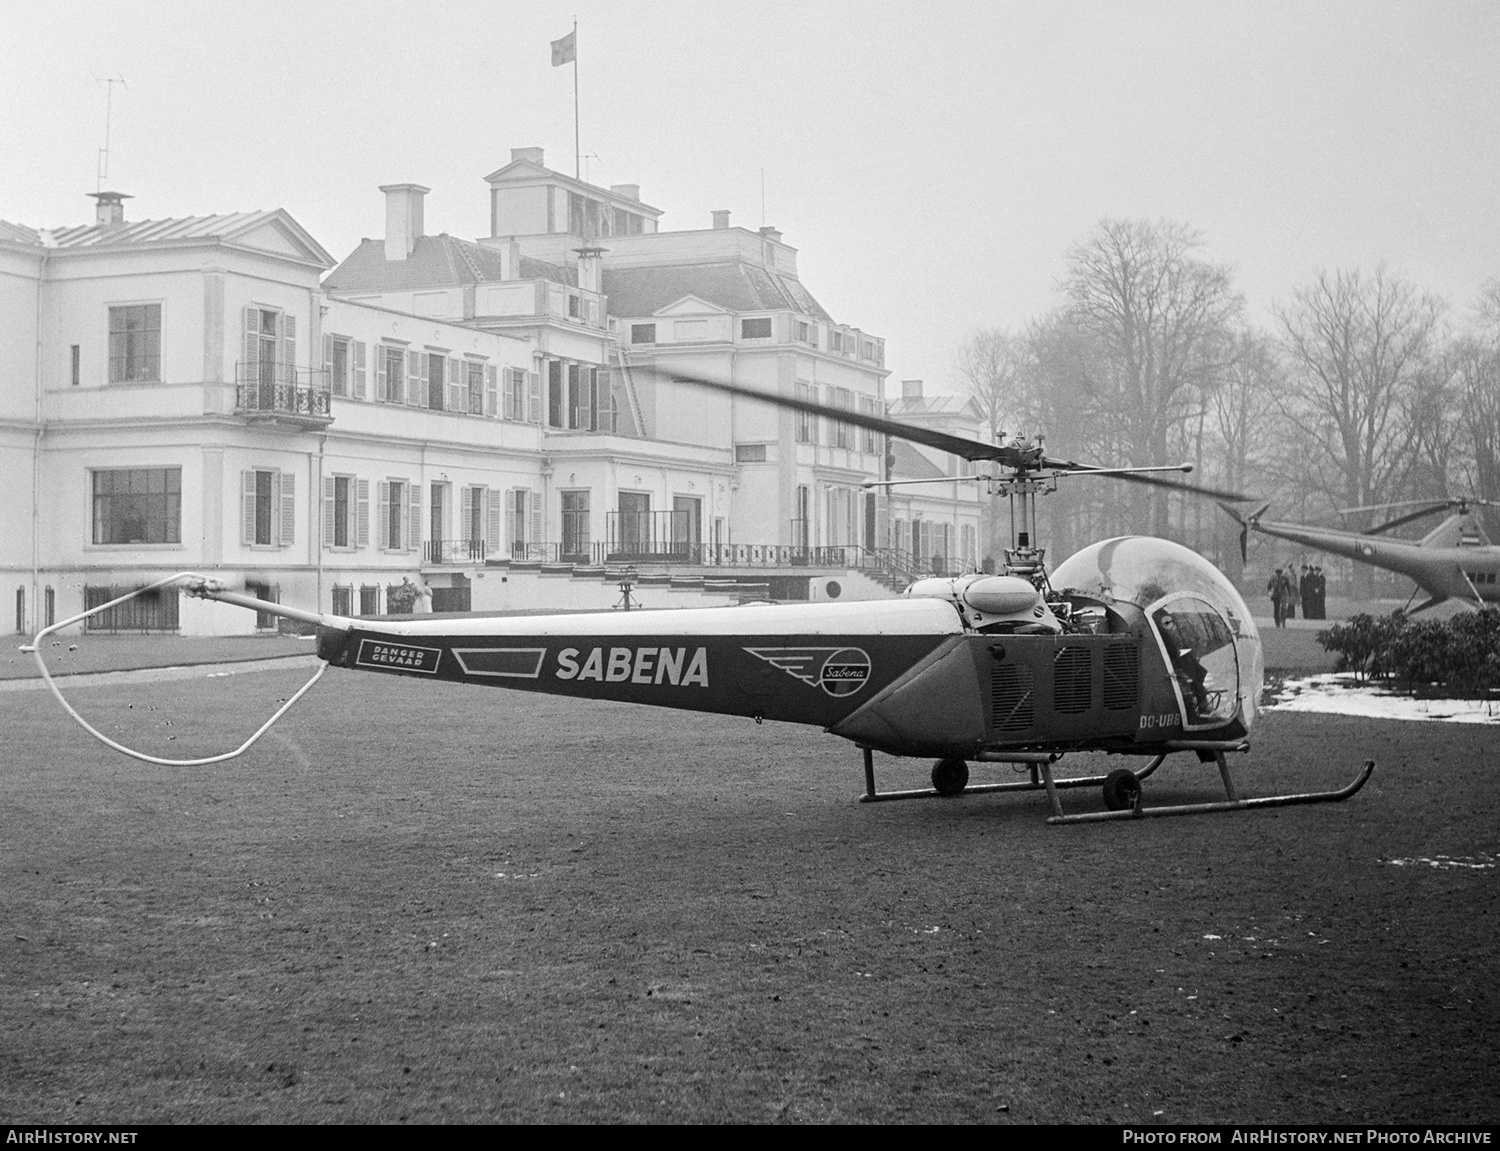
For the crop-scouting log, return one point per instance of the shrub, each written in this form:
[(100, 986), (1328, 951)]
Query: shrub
[(1461, 655)]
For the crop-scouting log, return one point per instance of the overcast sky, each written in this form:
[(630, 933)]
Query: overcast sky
[(931, 161)]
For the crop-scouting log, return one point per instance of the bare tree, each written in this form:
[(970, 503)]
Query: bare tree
[(1476, 373), (990, 364), (1156, 318), (1242, 427), (1359, 347)]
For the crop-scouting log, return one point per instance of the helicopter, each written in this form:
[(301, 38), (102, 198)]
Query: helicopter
[(1133, 646), (1454, 560)]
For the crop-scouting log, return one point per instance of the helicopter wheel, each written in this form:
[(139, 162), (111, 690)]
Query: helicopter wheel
[(950, 776), (1122, 790)]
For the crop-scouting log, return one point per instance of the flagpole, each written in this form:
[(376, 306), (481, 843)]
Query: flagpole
[(577, 149)]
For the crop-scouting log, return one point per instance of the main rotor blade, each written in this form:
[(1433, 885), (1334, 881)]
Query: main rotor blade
[(1076, 469), (963, 448), (1008, 455), (1398, 504), (1406, 519)]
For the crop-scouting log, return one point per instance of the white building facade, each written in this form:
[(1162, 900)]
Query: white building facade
[(193, 394)]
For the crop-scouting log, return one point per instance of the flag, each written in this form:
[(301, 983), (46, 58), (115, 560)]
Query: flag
[(566, 49)]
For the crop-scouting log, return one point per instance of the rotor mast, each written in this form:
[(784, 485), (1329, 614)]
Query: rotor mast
[(1022, 485)]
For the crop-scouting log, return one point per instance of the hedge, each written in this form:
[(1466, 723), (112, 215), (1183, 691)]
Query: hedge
[(1460, 656)]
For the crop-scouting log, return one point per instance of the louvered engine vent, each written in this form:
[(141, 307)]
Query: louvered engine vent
[(1122, 676), (1011, 692), (1072, 680)]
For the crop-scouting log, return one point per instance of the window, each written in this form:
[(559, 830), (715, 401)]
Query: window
[(400, 515), (804, 332), (390, 375), (755, 328), (75, 373), (554, 393), (346, 512), (138, 506), (270, 354), (643, 333), (270, 508), (836, 341), (575, 308), (135, 344), (435, 377), (867, 406), (154, 611), (749, 453), (515, 395), (369, 599), (840, 398), (473, 511), (338, 365), (474, 375), (807, 423), (523, 521), (575, 525), (344, 365), (343, 599)]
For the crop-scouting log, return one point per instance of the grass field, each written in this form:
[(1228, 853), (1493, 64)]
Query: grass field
[(417, 902)]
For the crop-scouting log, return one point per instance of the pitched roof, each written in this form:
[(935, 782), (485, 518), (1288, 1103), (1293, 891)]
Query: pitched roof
[(910, 464), (19, 233), (228, 228), (733, 285), (942, 405), (435, 262)]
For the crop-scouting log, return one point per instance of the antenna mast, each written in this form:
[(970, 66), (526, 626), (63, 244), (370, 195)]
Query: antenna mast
[(101, 167)]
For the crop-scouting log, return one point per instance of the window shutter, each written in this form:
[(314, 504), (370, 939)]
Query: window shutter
[(338, 386), (383, 528), (289, 346), (288, 509), (414, 522), (536, 517), (247, 486), (492, 518), (491, 391), (534, 386), (328, 511), (456, 387), (510, 522), (415, 371), (380, 386), (465, 514), (358, 388), (362, 526)]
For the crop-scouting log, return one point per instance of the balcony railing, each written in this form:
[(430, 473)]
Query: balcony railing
[(270, 389), (454, 551), (891, 563)]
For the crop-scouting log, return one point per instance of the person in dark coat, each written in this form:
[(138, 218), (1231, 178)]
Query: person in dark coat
[(1276, 589), (1307, 590)]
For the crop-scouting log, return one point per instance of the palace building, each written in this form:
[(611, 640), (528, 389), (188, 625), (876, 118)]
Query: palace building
[(490, 424)]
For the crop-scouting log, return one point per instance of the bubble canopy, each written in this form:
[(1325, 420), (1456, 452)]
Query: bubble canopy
[(1143, 570), (1204, 632)]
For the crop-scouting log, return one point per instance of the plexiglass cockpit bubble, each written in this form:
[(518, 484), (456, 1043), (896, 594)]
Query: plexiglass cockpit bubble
[(1198, 619)]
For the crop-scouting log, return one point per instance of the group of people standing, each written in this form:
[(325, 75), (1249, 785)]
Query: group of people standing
[(1287, 588)]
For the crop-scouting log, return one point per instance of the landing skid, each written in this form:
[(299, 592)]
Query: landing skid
[(1121, 788)]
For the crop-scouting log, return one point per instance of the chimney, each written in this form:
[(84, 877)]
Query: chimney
[(629, 191), (771, 233), (403, 218), (721, 219), (590, 268), (109, 207), (531, 155), (911, 389)]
